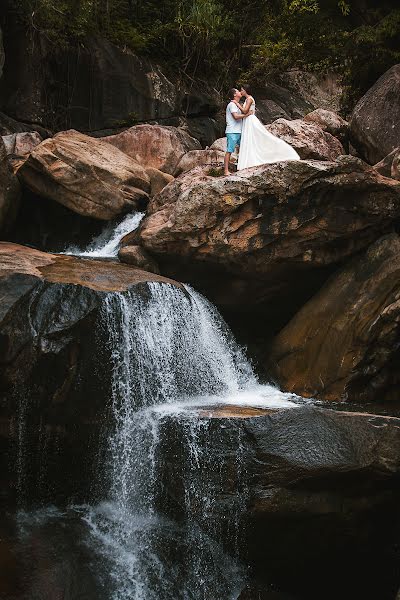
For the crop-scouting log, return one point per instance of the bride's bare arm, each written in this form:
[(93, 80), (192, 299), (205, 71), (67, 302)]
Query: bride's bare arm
[(246, 107)]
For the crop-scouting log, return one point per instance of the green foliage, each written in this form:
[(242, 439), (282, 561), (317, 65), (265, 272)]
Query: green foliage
[(221, 41)]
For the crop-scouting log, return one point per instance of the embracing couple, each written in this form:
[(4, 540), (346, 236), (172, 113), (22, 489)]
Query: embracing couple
[(257, 145)]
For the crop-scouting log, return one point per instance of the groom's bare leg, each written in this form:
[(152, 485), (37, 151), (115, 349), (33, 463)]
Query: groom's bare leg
[(226, 163)]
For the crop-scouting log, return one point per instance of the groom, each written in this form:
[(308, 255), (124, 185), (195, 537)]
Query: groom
[(234, 117)]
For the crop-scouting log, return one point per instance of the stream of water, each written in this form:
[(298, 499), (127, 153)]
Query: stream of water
[(171, 353), (106, 245)]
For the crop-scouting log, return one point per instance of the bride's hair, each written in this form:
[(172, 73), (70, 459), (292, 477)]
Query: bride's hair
[(246, 88)]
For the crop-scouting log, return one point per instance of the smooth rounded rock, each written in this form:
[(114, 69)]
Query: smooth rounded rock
[(343, 344), (375, 122), (308, 139), (86, 175), (154, 146)]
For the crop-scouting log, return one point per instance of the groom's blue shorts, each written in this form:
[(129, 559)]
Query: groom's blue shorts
[(232, 140)]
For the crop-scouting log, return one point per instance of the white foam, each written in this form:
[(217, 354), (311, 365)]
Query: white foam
[(106, 245)]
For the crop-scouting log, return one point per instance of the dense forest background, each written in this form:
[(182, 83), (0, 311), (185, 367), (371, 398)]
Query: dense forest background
[(223, 41)]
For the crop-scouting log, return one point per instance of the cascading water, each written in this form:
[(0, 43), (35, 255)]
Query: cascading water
[(106, 245), (170, 351), (171, 489)]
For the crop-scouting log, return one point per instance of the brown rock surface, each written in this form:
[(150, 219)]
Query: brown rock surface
[(329, 121), (154, 145), (101, 276), (19, 144), (255, 236), (375, 122), (158, 180), (219, 144), (138, 257), (86, 175), (343, 344), (390, 165), (10, 191), (308, 139), (199, 158)]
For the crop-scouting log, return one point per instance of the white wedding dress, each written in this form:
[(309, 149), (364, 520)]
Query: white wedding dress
[(259, 147)]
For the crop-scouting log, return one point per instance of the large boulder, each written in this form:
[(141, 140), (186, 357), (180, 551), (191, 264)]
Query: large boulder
[(329, 121), (158, 180), (197, 158), (10, 192), (265, 236), (20, 144), (55, 365), (343, 344), (308, 139), (86, 175), (155, 146), (304, 484), (375, 122)]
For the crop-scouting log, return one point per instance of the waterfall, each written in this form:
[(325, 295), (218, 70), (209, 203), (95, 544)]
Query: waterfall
[(106, 245), (171, 351)]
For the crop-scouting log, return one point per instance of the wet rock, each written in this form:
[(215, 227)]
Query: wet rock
[(154, 146), (138, 257), (197, 158), (158, 180), (10, 192), (308, 139), (375, 122), (54, 367), (312, 484), (343, 344), (264, 237), (89, 176), (329, 121), (20, 144), (390, 165)]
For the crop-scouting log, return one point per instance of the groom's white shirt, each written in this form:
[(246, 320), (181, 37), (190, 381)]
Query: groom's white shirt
[(233, 125)]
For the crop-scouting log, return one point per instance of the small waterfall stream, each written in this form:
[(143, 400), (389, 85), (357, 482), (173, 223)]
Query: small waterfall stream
[(106, 245)]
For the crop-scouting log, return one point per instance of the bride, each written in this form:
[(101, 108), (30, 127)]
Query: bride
[(258, 146)]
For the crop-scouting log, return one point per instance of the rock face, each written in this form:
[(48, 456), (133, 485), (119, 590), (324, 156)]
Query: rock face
[(10, 191), (158, 180), (308, 139), (390, 165), (86, 175), (20, 144), (154, 146), (136, 256), (255, 237), (299, 471), (50, 340), (329, 121), (375, 122), (90, 86), (198, 158), (343, 344)]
